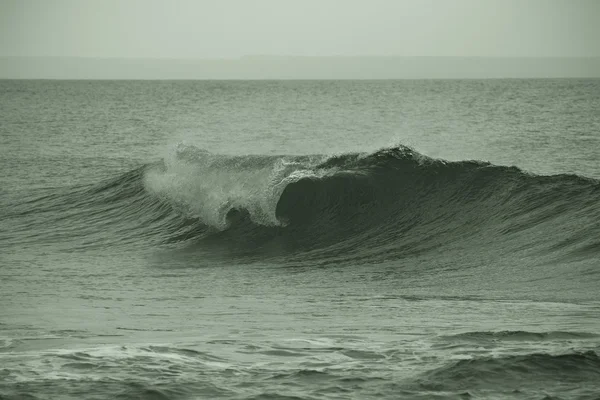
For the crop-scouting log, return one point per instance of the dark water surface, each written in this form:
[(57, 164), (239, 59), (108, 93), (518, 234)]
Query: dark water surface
[(302, 240)]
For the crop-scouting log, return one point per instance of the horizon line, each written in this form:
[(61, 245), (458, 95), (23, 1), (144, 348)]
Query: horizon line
[(233, 58)]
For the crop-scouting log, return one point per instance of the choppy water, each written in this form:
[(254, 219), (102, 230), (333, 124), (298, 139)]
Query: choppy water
[(307, 240)]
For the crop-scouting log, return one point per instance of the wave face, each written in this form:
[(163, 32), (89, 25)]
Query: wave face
[(362, 207)]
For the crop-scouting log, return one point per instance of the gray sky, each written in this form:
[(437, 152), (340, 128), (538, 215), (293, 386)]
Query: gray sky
[(233, 28)]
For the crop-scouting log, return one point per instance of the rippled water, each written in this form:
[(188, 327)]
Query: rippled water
[(307, 240)]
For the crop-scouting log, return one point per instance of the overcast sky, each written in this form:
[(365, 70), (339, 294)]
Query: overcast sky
[(233, 28)]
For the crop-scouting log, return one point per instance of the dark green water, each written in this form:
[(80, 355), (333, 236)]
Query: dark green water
[(307, 240)]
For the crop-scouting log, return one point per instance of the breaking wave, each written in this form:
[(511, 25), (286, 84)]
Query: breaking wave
[(377, 206)]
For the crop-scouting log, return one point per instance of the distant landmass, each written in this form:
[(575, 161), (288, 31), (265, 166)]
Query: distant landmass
[(284, 67)]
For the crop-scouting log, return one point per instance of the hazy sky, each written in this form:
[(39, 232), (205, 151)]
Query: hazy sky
[(232, 28)]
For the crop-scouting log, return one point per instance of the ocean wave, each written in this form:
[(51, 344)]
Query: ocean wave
[(521, 336), (389, 204), (519, 371), (394, 202)]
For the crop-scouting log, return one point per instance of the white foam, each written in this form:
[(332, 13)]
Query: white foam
[(206, 186)]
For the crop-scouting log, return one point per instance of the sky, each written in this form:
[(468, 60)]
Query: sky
[(235, 28)]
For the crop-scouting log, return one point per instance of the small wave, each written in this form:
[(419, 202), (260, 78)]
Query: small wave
[(303, 375), (520, 336), (143, 329), (7, 344), (276, 396), (518, 370)]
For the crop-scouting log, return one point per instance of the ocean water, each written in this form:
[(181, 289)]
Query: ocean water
[(300, 240)]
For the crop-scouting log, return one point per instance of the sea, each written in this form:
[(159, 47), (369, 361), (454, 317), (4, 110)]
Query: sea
[(386, 239)]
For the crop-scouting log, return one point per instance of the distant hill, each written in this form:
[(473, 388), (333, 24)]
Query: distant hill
[(283, 67)]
